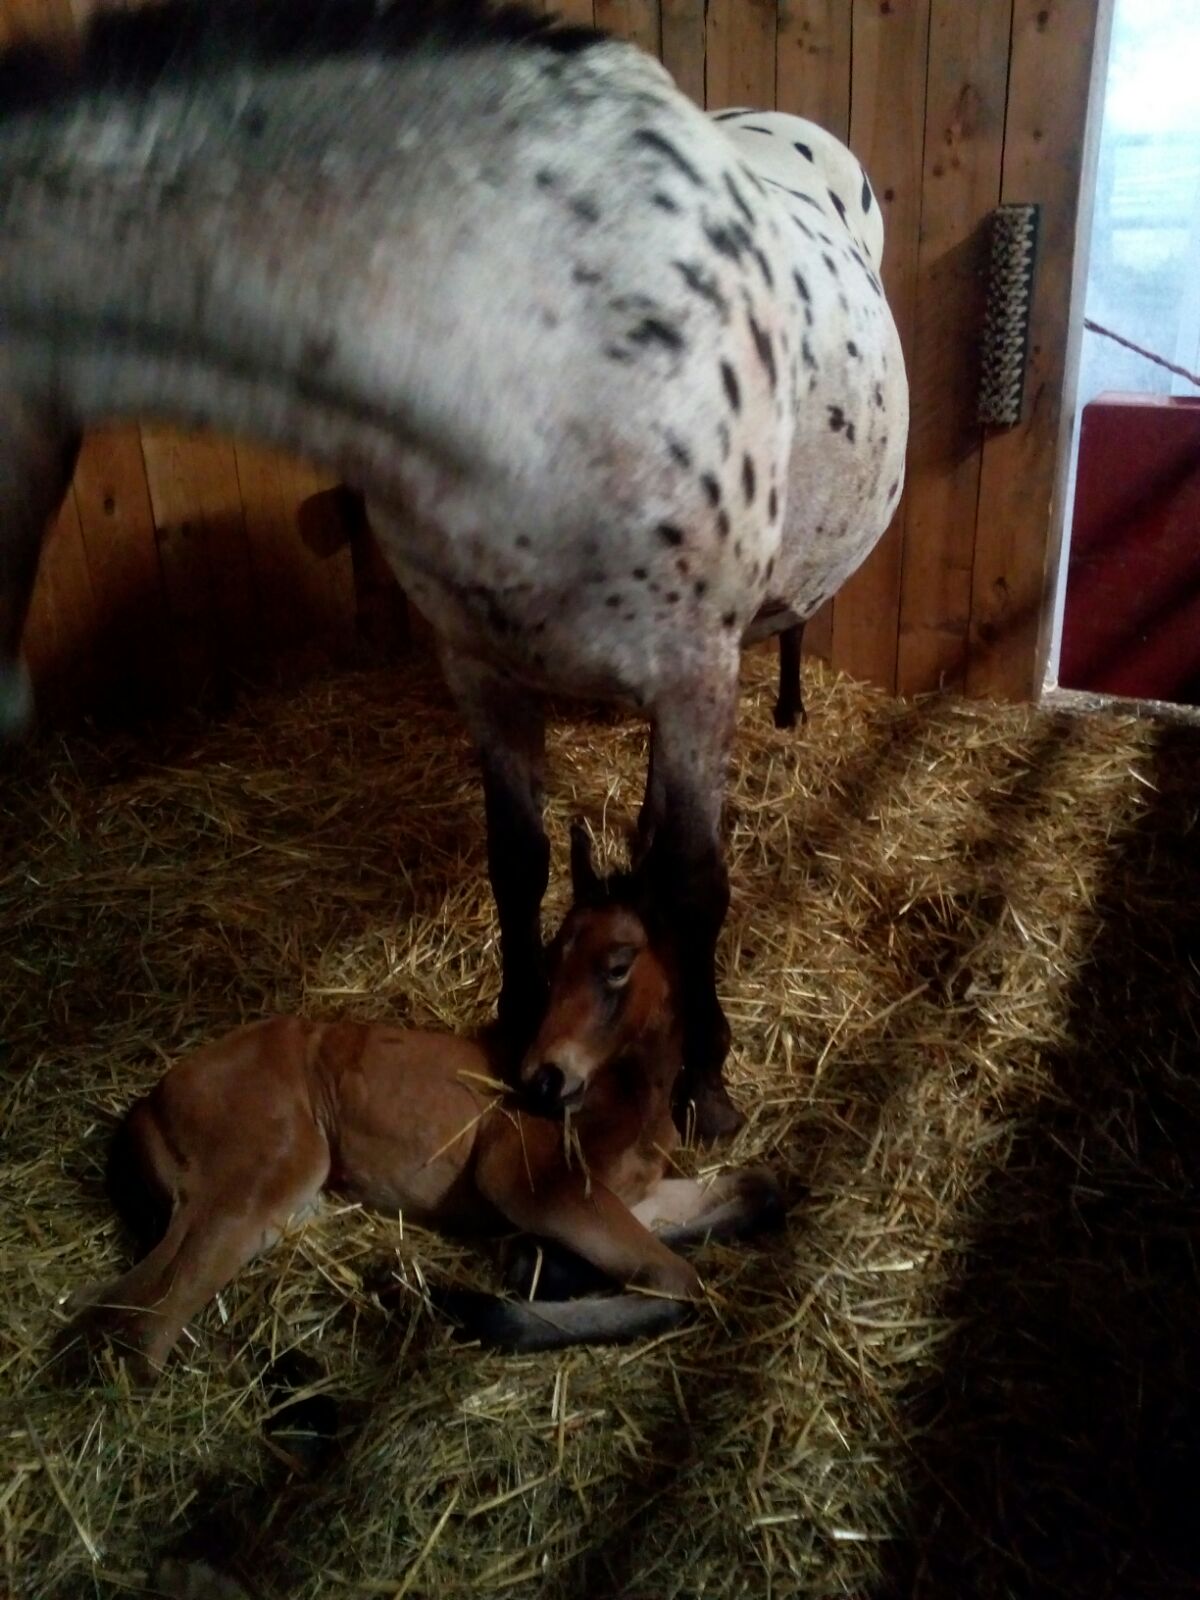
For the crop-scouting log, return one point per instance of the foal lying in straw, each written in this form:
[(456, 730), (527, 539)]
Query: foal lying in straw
[(243, 1135)]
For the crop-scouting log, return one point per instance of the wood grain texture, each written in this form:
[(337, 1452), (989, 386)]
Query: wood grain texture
[(739, 68), (60, 629), (964, 142), (812, 79), (887, 133), (1049, 77), (812, 65), (683, 45), (639, 21)]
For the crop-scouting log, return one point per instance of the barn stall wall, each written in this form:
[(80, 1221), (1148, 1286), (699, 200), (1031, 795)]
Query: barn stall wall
[(173, 554)]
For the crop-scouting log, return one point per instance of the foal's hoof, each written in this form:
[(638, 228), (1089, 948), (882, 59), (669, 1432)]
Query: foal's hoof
[(711, 1114), (81, 1347)]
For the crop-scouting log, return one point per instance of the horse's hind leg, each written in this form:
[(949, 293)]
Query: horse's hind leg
[(790, 701), (232, 1215), (38, 449), (244, 1212)]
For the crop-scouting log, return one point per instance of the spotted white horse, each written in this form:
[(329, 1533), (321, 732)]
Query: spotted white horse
[(618, 381)]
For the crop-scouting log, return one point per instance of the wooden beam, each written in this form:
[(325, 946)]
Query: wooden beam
[(964, 145), (887, 133), (1049, 78), (60, 629)]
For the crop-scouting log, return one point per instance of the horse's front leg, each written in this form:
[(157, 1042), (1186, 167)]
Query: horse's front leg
[(680, 1211), (38, 448), (685, 865), (508, 726)]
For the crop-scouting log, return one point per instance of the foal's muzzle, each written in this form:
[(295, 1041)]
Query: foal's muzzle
[(547, 1091)]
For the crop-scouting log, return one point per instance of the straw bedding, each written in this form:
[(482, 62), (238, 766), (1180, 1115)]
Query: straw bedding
[(961, 969)]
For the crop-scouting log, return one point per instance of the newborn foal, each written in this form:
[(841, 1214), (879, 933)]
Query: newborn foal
[(242, 1135)]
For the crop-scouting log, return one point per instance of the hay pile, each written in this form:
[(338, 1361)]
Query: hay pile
[(961, 973)]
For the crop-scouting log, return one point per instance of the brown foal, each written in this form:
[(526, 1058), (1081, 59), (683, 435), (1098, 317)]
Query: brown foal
[(240, 1137)]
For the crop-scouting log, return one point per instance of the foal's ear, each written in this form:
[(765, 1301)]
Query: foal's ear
[(584, 881)]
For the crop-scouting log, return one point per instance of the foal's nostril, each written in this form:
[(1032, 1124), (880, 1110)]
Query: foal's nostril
[(546, 1085)]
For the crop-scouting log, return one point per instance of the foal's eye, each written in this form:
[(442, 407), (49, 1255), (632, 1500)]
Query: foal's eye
[(616, 974)]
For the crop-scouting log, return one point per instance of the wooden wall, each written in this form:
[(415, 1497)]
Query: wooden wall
[(171, 549)]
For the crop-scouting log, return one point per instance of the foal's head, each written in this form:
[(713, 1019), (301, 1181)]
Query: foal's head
[(610, 988)]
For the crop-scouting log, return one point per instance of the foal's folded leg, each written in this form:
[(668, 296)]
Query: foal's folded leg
[(681, 1211), (214, 1231)]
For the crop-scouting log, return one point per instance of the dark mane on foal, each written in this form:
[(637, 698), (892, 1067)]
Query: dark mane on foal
[(184, 39)]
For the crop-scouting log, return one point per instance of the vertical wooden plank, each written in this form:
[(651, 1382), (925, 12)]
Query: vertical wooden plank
[(964, 142), (887, 132), (59, 634), (117, 526), (812, 67), (683, 45), (579, 12), (739, 66), (639, 21), (36, 19), (305, 591), (202, 546), (1049, 77)]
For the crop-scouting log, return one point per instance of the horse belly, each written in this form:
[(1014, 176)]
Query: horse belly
[(846, 471), (846, 368)]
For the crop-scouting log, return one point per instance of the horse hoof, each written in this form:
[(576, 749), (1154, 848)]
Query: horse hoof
[(764, 1200), (716, 1118)]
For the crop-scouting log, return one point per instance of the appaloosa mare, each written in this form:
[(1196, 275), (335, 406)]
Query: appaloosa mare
[(618, 380), (242, 1135)]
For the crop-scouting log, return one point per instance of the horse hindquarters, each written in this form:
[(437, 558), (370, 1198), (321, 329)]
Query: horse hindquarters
[(38, 450), (225, 1212)]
